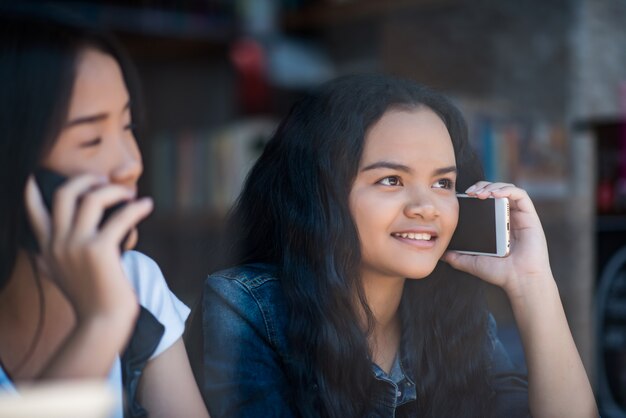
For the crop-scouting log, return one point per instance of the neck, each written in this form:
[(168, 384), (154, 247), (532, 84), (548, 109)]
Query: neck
[(383, 295)]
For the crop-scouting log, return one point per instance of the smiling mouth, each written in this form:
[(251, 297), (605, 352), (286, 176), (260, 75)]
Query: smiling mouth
[(420, 236)]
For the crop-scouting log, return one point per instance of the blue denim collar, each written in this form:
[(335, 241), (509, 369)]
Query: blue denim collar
[(401, 381)]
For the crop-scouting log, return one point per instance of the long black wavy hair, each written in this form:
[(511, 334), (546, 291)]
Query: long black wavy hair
[(40, 47), (293, 212)]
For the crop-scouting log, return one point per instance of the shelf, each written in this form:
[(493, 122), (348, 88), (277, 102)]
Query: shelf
[(604, 126), (321, 14), (184, 22), (161, 49)]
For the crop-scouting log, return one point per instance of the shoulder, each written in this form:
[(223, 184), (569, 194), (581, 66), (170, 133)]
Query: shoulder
[(258, 282), (249, 282), (154, 295), (141, 270), (250, 276), (145, 276), (249, 296), (147, 279)]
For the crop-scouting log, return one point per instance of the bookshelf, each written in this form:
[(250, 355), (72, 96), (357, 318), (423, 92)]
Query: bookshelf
[(191, 88)]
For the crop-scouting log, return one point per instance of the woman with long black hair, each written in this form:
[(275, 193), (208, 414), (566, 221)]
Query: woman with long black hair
[(337, 304), (75, 303)]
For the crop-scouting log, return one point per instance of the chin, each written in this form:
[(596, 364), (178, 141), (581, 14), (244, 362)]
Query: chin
[(419, 276), (420, 272)]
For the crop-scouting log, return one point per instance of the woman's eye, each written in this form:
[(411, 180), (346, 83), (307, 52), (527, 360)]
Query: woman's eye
[(444, 184), (390, 181), (130, 127), (92, 143)]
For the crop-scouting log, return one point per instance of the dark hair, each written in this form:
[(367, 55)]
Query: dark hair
[(39, 51), (294, 213)]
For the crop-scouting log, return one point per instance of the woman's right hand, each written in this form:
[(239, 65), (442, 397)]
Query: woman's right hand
[(82, 258), (528, 260)]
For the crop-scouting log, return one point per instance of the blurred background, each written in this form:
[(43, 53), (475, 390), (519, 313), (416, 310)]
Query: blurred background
[(541, 83)]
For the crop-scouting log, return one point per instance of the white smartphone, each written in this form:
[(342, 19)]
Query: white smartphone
[(483, 228)]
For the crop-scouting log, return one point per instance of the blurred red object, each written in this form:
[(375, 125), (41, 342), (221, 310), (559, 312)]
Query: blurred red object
[(605, 197), (249, 59)]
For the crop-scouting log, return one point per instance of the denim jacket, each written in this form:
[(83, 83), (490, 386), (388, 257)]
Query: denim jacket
[(238, 349)]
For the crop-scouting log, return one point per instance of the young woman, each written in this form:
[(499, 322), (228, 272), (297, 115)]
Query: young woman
[(338, 305), (70, 308)]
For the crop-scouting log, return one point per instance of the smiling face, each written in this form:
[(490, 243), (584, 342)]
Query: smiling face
[(97, 137), (403, 199)]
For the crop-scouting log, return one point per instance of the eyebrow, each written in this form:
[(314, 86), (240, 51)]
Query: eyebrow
[(445, 170), (93, 118), (406, 169)]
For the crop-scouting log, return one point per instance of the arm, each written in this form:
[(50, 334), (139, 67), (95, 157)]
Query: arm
[(167, 387), (243, 373), (90, 349), (558, 383)]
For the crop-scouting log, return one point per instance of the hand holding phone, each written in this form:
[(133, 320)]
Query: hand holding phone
[(79, 252), (528, 258), (48, 182), (483, 227)]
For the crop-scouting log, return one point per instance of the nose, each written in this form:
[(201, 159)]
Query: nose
[(419, 205), (128, 165)]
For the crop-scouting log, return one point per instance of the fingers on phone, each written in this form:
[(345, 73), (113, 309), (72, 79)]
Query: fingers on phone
[(485, 189), (94, 203), (37, 213), (65, 201), (518, 197), (124, 219)]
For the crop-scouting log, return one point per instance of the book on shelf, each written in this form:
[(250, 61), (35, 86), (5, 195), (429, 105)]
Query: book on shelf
[(531, 153), (204, 170)]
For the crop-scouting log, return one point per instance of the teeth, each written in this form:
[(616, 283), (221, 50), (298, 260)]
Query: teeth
[(418, 237)]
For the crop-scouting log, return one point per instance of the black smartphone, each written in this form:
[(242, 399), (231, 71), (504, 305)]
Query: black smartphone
[(483, 227), (48, 181)]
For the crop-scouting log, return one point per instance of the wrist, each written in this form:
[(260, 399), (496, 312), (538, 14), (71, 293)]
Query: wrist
[(117, 321), (533, 294), (520, 285), (114, 303)]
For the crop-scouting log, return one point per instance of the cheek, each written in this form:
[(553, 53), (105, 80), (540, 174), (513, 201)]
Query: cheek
[(61, 160), (356, 212), (364, 211)]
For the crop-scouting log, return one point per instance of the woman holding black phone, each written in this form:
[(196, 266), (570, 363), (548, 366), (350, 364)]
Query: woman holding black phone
[(74, 301)]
